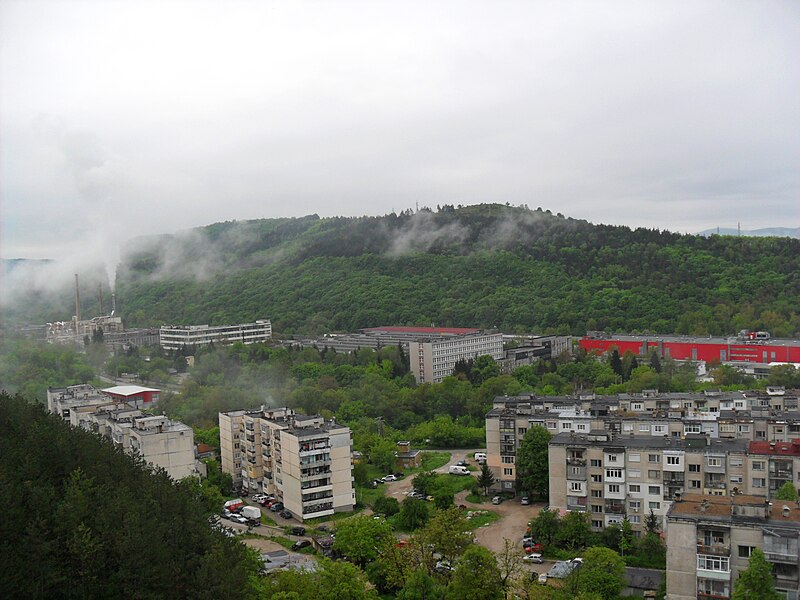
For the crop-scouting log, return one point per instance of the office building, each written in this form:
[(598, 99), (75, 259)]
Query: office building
[(174, 337)]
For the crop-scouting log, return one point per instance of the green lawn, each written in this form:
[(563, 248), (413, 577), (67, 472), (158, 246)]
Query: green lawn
[(451, 484), (433, 460), (481, 520)]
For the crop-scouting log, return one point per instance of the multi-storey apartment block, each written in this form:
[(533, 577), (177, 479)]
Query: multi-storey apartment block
[(160, 441), (433, 358), (613, 477), (710, 539), (305, 461), (175, 337)]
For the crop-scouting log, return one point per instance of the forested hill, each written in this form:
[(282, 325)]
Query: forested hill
[(487, 265)]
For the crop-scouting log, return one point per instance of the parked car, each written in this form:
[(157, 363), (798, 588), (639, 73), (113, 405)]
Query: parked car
[(299, 544), (389, 477), (259, 497), (534, 558), (443, 567), (497, 500), (577, 561), (276, 507), (286, 514), (462, 463), (525, 501), (226, 514), (458, 470), (542, 578), (239, 519)]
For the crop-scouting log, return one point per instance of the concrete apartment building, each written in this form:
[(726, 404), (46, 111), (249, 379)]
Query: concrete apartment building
[(174, 337), (710, 538), (160, 441), (433, 358), (303, 460), (612, 477)]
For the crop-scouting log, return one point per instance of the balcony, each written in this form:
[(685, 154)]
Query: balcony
[(576, 462), (716, 485), (713, 549), (577, 473)]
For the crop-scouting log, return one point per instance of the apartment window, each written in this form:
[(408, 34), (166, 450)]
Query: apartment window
[(595, 462), (758, 465), (627, 427), (694, 484), (713, 462), (508, 460), (654, 490), (736, 462), (635, 519), (613, 488), (566, 425), (597, 493), (694, 468), (713, 563), (597, 508), (654, 505), (575, 486), (653, 458), (597, 524), (759, 482), (635, 457), (651, 474), (522, 430), (727, 428), (637, 406), (552, 425), (736, 479), (635, 505), (581, 427), (508, 471), (597, 479), (611, 458), (673, 460), (693, 428), (659, 429), (634, 488), (746, 429), (617, 473), (644, 427), (634, 473), (745, 551)]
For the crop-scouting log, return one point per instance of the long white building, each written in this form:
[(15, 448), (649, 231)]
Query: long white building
[(433, 356), (173, 337)]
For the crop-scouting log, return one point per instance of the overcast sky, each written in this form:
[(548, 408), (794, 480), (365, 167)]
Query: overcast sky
[(120, 118)]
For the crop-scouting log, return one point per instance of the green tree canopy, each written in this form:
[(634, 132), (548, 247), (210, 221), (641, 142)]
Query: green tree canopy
[(477, 576), (786, 492), (756, 582), (533, 467), (361, 537)]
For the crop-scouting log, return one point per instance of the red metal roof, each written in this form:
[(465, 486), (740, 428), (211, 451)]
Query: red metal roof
[(781, 448), (423, 330)]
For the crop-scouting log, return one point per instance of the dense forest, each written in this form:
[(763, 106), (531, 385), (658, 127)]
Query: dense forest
[(488, 266), (83, 519), (494, 265)]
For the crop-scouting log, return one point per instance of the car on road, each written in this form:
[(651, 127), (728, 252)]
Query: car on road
[(497, 500), (533, 558), (276, 507), (226, 514), (285, 514), (525, 501), (299, 544), (298, 531), (239, 519), (389, 477), (462, 463), (259, 498)]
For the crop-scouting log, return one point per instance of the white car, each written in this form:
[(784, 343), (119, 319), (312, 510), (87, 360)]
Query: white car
[(577, 560), (542, 578), (389, 478), (238, 519), (534, 558)]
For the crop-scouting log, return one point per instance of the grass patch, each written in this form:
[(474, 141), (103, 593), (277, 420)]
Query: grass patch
[(477, 499), (366, 496), (451, 484), (309, 523), (433, 460), (265, 520), (481, 520), (283, 541)]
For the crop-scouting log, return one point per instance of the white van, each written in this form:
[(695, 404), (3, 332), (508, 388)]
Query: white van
[(480, 457), (457, 470)]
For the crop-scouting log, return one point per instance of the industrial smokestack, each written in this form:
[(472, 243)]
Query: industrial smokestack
[(100, 290), (77, 302), (113, 304)]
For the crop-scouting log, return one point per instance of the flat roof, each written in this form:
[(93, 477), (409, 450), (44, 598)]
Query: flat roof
[(654, 442), (719, 508), (689, 339), (775, 448), (425, 330), (128, 390)]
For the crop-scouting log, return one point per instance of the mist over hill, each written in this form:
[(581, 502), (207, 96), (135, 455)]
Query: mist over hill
[(487, 265), (792, 232)]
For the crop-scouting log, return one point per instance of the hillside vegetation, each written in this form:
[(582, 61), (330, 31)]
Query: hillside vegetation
[(487, 266)]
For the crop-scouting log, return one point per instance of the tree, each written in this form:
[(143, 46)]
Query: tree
[(655, 362), (447, 533), (625, 537), (420, 586), (756, 582), (786, 492), (361, 537), (533, 467), (544, 528), (477, 576), (413, 514), (387, 506), (486, 478), (574, 532), (615, 362), (602, 572), (652, 524), (381, 454), (424, 482), (443, 500), (509, 559)]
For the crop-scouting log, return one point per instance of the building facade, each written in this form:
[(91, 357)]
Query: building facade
[(710, 539), (433, 359), (304, 461), (175, 337)]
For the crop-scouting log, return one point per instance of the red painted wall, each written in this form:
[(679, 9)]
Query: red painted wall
[(704, 351)]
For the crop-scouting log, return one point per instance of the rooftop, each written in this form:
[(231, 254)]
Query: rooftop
[(128, 390), (776, 448), (688, 339), (657, 443), (424, 330), (739, 508)]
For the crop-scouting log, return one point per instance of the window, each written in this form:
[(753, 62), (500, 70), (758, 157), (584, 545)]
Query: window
[(581, 427), (745, 551), (713, 563), (727, 428), (637, 406), (635, 505), (611, 458), (746, 429), (673, 460), (627, 427), (653, 458), (736, 462), (634, 519), (508, 460), (597, 524), (736, 479), (758, 465), (759, 482), (654, 505), (694, 484), (634, 473), (575, 486), (595, 463), (635, 457), (652, 474), (597, 479), (634, 488), (694, 468), (508, 471), (566, 425), (613, 488), (522, 430), (691, 428), (597, 493), (616, 473), (644, 427), (597, 508), (654, 490), (659, 429), (712, 461)]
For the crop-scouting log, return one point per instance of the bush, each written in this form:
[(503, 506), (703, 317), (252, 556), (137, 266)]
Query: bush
[(387, 506)]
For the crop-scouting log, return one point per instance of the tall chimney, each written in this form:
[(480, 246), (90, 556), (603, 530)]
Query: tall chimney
[(77, 303), (113, 304), (100, 289)]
